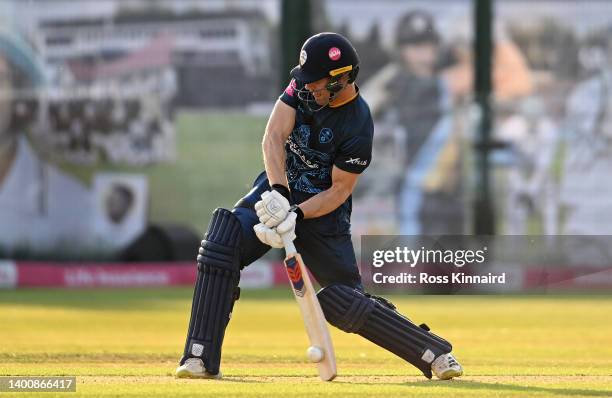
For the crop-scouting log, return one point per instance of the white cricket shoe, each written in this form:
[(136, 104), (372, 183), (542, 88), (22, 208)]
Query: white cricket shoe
[(193, 368), (446, 367)]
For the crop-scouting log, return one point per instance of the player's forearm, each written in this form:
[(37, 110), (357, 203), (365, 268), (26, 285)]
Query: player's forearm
[(273, 148), (325, 202)]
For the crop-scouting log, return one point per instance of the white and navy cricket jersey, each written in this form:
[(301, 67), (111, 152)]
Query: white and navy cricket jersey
[(338, 136)]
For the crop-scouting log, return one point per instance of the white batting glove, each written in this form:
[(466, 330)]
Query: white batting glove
[(287, 227), (272, 209), (269, 236)]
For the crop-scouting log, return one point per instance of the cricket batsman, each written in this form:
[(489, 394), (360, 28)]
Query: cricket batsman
[(317, 142)]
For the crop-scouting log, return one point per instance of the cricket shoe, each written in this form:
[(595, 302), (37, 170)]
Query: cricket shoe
[(193, 368), (445, 367)]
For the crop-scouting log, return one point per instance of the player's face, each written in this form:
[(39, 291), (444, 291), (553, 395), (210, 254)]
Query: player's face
[(318, 90)]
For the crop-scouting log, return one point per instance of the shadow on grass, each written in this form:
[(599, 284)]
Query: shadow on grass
[(89, 358), (236, 379), (153, 299), (500, 387), (123, 358)]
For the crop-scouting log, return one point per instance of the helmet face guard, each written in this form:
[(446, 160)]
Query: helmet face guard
[(333, 86), (308, 99)]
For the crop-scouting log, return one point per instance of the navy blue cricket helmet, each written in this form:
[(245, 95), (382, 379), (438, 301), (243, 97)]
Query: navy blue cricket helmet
[(326, 54)]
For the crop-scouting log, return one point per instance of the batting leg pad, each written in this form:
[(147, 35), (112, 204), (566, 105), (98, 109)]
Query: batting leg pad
[(376, 319), (216, 290)]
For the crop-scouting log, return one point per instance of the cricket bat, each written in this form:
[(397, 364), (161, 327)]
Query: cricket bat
[(314, 320)]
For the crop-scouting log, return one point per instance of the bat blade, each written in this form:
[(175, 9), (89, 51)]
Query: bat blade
[(314, 320)]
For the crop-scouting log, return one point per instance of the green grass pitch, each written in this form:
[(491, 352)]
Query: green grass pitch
[(125, 343)]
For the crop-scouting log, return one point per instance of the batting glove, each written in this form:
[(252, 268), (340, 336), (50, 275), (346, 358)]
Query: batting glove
[(272, 209), (287, 227), (269, 236)]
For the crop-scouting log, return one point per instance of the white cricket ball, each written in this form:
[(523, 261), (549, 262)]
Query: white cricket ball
[(315, 354)]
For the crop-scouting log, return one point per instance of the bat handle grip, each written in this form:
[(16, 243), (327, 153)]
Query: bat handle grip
[(289, 246)]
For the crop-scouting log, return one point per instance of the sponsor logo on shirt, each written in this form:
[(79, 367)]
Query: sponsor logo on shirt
[(357, 161), (296, 149)]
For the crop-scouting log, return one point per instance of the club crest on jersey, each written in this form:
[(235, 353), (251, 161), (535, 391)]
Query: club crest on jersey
[(295, 276), (334, 53), (303, 57), (325, 135)]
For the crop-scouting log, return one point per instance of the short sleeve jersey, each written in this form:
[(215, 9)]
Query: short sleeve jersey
[(333, 136)]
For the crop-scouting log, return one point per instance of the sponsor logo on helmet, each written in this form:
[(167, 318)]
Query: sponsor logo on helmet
[(303, 57), (334, 53)]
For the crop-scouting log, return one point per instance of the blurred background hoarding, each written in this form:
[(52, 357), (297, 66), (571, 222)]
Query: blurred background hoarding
[(124, 123)]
